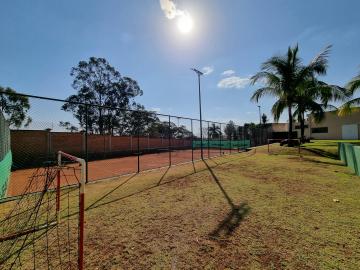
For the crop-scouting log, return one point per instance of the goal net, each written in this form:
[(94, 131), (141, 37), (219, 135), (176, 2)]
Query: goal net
[(43, 228)]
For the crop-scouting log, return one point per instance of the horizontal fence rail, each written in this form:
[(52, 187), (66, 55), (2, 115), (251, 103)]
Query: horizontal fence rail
[(114, 141)]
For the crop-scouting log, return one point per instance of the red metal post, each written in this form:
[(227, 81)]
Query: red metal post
[(81, 230)]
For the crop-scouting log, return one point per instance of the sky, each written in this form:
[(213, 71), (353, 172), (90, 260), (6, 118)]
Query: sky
[(42, 40)]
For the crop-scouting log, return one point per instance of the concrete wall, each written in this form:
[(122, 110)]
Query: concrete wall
[(29, 147), (334, 124)]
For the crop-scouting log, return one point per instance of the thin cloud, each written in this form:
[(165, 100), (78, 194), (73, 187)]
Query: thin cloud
[(233, 82), (228, 72), (208, 70), (170, 9)]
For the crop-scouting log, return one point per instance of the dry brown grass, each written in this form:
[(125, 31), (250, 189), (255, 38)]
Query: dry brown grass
[(248, 211)]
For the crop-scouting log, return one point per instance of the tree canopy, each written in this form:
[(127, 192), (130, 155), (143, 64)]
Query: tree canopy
[(14, 107), (100, 84), (350, 105), (290, 81)]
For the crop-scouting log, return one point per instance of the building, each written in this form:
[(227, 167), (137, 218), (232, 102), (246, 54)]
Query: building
[(332, 127)]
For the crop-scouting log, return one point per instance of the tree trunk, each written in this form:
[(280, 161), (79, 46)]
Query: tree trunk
[(290, 126), (302, 128)]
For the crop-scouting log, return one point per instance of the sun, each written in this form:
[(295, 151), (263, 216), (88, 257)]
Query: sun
[(185, 23)]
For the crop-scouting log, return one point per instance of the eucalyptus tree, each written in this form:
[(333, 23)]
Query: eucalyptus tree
[(282, 77), (99, 83)]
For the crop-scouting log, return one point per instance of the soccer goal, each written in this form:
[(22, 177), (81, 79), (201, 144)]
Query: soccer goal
[(43, 228)]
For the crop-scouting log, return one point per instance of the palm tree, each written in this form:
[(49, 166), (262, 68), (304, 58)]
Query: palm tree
[(352, 87), (264, 119), (214, 131), (283, 75), (314, 96)]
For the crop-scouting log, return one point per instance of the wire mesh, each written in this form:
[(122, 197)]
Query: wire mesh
[(113, 141), (35, 232)]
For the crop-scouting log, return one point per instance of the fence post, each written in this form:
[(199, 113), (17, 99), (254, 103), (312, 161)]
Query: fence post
[(169, 142), (148, 142), (138, 149), (220, 139), (192, 141), (208, 140), (86, 143)]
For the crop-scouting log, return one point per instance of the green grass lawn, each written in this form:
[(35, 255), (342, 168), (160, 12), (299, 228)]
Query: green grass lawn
[(327, 148), (246, 211)]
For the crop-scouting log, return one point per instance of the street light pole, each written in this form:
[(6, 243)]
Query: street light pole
[(199, 73), (260, 127), (259, 114)]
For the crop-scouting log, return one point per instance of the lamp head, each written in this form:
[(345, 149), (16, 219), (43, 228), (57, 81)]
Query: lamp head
[(198, 72)]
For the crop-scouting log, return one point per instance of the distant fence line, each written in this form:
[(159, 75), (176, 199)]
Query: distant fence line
[(120, 143), (28, 146)]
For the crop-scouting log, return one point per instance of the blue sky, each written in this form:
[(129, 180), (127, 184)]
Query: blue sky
[(42, 40)]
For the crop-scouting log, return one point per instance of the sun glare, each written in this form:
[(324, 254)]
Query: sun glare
[(185, 23)]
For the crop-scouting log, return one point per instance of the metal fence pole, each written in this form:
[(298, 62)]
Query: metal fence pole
[(138, 149), (169, 144), (220, 139), (86, 144), (208, 139), (192, 141)]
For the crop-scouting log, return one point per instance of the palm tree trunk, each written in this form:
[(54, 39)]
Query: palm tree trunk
[(290, 123), (302, 127)]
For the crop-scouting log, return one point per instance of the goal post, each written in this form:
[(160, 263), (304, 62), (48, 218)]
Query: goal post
[(43, 227), (81, 200)]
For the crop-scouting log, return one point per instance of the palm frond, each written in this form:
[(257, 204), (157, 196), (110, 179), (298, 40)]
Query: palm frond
[(263, 91), (349, 107), (270, 79), (354, 84), (320, 62), (278, 108)]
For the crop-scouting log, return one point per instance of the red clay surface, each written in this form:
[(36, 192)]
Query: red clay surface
[(107, 168)]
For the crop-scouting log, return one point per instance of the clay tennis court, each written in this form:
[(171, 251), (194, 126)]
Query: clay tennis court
[(109, 168)]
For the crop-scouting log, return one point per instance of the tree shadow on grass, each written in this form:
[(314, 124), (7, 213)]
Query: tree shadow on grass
[(101, 201), (332, 163), (322, 153), (237, 212)]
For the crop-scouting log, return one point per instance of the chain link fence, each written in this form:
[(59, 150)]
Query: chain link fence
[(114, 141)]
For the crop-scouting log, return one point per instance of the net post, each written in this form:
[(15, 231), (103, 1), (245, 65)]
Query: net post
[(268, 141), (58, 195), (81, 224), (82, 213), (58, 187)]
